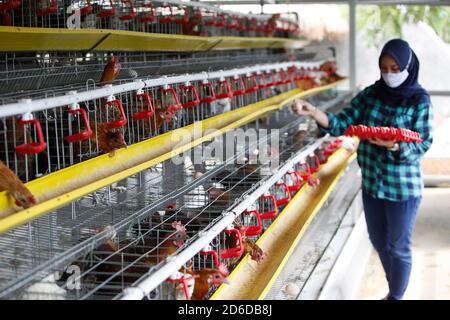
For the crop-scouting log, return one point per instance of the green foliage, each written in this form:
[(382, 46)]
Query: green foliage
[(382, 22)]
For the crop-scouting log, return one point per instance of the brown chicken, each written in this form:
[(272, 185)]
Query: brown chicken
[(111, 71), (108, 140), (255, 252), (330, 69), (10, 183), (155, 122), (206, 278), (306, 83), (169, 244), (113, 264), (221, 196), (313, 181)]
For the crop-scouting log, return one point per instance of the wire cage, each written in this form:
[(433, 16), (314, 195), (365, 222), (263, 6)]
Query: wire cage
[(188, 18), (106, 241)]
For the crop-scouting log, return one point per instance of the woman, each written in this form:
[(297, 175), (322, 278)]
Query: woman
[(391, 171)]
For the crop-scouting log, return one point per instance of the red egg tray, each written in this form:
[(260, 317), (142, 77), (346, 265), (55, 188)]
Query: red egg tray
[(384, 133)]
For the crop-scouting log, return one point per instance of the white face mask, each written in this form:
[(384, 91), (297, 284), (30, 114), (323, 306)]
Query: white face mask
[(393, 80)]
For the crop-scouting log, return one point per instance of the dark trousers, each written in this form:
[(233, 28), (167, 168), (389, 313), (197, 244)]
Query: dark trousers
[(390, 225)]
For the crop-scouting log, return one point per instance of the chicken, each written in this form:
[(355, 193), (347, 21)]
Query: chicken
[(306, 83), (328, 67), (206, 278), (161, 115), (231, 241), (173, 241), (111, 71), (313, 181), (330, 70), (255, 252), (107, 260), (108, 140), (10, 183), (220, 196), (168, 245)]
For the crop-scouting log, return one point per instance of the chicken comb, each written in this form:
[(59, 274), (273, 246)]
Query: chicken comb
[(223, 269), (178, 226)]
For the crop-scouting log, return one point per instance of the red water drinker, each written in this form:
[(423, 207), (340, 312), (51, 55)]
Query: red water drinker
[(131, 13), (87, 9), (233, 23), (148, 13), (167, 15), (113, 102), (268, 206), (182, 278), (271, 78), (32, 147), (253, 230), (87, 132), (283, 78), (251, 83), (51, 9), (328, 148), (220, 21), (207, 94), (184, 18), (302, 168), (107, 13), (242, 24), (252, 25), (313, 162), (261, 80), (10, 5), (223, 90), (208, 251), (293, 181), (189, 96), (320, 153), (144, 100), (282, 194), (236, 252), (338, 142), (237, 86), (210, 18), (169, 99)]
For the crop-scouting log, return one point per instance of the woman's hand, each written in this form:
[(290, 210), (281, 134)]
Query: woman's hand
[(383, 143), (303, 108)]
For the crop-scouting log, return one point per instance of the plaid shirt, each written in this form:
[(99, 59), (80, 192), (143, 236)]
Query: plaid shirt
[(390, 175)]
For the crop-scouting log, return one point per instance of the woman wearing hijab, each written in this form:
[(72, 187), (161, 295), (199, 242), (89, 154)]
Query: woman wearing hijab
[(392, 180)]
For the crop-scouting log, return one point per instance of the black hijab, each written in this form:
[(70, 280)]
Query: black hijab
[(410, 91)]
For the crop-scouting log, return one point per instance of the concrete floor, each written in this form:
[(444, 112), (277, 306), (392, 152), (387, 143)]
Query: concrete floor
[(430, 276)]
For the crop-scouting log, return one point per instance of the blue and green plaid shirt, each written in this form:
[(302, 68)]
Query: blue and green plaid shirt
[(390, 175)]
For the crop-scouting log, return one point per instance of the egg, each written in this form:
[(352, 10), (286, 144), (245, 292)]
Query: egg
[(291, 289)]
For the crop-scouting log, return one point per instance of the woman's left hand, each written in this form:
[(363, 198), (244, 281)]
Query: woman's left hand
[(383, 143)]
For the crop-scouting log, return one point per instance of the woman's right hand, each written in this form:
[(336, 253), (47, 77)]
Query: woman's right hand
[(303, 108)]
